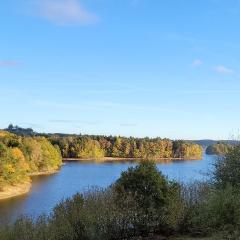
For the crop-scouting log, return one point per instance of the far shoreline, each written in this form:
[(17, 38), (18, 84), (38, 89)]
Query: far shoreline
[(119, 159), (43, 173)]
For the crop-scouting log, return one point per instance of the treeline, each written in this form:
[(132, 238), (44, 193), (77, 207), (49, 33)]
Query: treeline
[(144, 204), (94, 146), (220, 148), (145, 148), (21, 156)]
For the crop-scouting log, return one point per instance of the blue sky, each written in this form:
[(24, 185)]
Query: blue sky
[(167, 68)]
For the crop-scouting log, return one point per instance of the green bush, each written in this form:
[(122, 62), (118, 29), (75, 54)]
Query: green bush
[(227, 169), (155, 200), (193, 196), (210, 211), (220, 212), (67, 221)]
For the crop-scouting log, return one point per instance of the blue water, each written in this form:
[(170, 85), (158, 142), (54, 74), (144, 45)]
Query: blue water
[(74, 177)]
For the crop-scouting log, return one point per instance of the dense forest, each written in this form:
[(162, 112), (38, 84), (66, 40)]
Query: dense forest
[(220, 148), (22, 156), (94, 146), (121, 147)]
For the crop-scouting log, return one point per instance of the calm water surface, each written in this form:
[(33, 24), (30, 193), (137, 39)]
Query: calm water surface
[(74, 177)]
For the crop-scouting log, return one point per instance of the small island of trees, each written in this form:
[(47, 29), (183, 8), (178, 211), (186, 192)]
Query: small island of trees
[(220, 148)]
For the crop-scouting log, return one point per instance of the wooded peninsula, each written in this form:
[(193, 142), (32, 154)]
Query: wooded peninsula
[(21, 157)]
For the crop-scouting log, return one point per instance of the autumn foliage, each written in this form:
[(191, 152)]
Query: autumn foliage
[(21, 156), (84, 146)]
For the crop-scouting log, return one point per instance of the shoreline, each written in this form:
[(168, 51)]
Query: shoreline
[(43, 173), (112, 159), (15, 191), (23, 188)]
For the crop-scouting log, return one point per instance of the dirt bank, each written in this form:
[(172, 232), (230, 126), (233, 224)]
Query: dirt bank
[(16, 190)]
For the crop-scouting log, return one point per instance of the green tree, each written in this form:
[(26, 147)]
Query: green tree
[(51, 157), (227, 169), (90, 149), (153, 198)]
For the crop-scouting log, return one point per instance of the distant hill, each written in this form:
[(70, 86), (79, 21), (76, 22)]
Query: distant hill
[(205, 142)]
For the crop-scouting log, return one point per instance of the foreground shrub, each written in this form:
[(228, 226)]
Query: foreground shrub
[(210, 211), (221, 212), (227, 169), (141, 202), (67, 222), (151, 197), (25, 228), (194, 195)]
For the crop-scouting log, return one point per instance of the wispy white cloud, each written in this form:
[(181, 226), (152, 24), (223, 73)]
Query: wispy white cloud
[(197, 63), (65, 12), (223, 70), (7, 63)]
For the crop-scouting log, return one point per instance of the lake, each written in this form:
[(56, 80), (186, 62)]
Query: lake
[(74, 177)]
